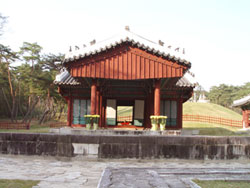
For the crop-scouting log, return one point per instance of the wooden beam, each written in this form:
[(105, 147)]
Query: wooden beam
[(164, 83)]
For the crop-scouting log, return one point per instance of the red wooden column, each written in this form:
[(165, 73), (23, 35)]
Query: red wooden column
[(157, 97), (245, 114), (93, 98)]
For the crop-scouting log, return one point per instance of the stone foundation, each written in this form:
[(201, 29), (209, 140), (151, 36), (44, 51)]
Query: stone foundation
[(126, 146)]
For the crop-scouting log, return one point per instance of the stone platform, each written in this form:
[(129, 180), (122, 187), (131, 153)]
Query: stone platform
[(116, 131), (126, 146)]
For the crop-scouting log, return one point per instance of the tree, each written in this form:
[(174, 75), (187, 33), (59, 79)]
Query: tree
[(7, 56), (28, 89)]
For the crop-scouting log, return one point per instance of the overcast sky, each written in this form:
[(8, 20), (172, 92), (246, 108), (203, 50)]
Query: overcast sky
[(214, 33)]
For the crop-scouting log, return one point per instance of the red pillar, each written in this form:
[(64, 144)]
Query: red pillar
[(93, 98), (157, 97), (245, 114)]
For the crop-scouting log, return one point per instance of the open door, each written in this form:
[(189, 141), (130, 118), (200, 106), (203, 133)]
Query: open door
[(111, 112), (139, 113)]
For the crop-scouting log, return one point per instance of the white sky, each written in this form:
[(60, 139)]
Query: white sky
[(214, 33)]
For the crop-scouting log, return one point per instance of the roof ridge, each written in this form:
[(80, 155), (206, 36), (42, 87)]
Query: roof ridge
[(127, 36)]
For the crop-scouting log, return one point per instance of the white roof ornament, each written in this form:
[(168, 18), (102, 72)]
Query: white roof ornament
[(127, 28), (161, 43), (127, 36)]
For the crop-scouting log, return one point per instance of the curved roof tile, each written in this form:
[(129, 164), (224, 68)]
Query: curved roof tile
[(130, 37)]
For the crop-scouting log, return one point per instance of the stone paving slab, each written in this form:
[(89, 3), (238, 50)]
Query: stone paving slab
[(168, 177), (88, 172)]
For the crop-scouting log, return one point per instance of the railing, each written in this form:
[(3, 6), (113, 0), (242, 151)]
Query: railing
[(57, 124), (211, 119), (124, 118), (9, 125)]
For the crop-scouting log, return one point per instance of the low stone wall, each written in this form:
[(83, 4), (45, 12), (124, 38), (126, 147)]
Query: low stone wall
[(122, 146)]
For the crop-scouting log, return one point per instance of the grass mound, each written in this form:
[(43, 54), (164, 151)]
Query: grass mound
[(209, 109)]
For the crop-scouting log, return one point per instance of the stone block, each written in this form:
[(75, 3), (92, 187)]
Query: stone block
[(64, 139), (85, 139), (147, 150), (4, 147), (167, 151), (16, 147), (198, 152), (216, 151), (183, 151), (65, 149), (105, 150), (247, 151), (43, 137), (80, 149), (65, 130), (230, 154), (131, 150), (93, 149), (24, 137), (5, 136), (46, 148), (216, 140), (31, 148), (54, 130), (110, 139)]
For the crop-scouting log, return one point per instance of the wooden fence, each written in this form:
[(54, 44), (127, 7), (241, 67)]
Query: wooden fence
[(211, 119), (58, 124), (124, 118), (9, 125)]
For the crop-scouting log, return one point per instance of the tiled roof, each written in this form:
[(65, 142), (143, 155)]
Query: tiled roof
[(129, 37), (185, 82), (65, 79), (241, 102)]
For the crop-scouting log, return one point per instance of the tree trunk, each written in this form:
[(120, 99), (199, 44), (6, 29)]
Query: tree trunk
[(28, 115), (60, 111), (6, 100), (43, 117)]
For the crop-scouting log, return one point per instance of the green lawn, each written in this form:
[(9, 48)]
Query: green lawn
[(17, 183), (211, 129), (34, 128), (222, 184), (209, 109)]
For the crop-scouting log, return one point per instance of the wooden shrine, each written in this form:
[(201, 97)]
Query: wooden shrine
[(244, 104), (125, 71)]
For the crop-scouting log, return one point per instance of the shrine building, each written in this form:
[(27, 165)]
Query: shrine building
[(244, 104), (126, 78)]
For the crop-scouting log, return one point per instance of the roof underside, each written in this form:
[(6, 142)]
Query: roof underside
[(65, 79)]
